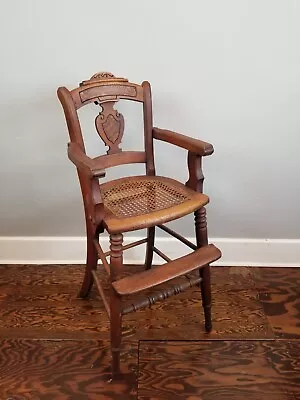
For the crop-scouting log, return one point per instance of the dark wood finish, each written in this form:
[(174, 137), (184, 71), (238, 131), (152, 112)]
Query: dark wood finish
[(194, 145), (130, 245), (205, 285), (163, 273), (196, 177), (94, 167), (219, 370), (63, 370), (132, 203), (162, 295), (101, 256), (84, 163), (126, 157), (38, 302), (148, 126), (279, 293), (201, 227), (116, 262), (150, 245), (195, 181), (101, 292), (110, 126), (103, 92), (91, 265), (105, 87), (69, 107)]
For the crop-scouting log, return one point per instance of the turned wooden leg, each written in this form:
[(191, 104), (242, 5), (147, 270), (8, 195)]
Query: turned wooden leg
[(149, 248), (91, 264), (205, 285), (116, 263)]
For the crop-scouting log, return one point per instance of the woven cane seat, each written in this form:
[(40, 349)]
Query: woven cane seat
[(142, 201)]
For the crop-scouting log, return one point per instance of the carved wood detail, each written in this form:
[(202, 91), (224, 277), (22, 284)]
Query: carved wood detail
[(116, 255), (201, 227), (110, 127), (162, 295), (102, 77), (107, 92), (172, 202)]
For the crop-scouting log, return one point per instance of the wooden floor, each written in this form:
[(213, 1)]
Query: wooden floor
[(55, 346)]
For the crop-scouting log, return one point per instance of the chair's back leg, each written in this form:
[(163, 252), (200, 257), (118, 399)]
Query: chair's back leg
[(149, 248), (205, 285), (116, 263), (91, 264), (206, 296)]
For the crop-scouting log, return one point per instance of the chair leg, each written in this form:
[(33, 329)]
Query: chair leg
[(116, 263), (91, 264), (205, 285), (115, 332), (149, 249), (206, 296)]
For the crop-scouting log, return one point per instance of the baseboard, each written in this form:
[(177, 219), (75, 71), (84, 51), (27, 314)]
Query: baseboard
[(71, 250)]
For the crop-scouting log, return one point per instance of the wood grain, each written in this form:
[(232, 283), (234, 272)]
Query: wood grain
[(131, 203), (219, 370), (194, 145), (63, 370), (41, 301), (279, 293), (163, 273), (91, 167)]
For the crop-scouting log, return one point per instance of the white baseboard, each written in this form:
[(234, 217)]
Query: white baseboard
[(71, 250)]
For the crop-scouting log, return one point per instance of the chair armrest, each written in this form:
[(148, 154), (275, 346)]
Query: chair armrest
[(83, 162), (194, 145)]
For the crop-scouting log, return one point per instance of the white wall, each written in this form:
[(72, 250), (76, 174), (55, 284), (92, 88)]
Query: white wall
[(224, 71)]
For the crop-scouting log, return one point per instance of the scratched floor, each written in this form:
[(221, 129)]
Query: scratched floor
[(55, 346)]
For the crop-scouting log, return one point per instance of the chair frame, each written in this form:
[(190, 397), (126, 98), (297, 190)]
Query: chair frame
[(105, 89)]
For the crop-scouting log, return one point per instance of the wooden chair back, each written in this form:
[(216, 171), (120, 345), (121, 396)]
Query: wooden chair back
[(105, 90)]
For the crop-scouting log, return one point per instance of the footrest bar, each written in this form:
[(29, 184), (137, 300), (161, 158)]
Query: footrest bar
[(166, 272), (148, 301)]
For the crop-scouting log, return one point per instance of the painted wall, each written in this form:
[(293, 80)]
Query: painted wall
[(227, 72)]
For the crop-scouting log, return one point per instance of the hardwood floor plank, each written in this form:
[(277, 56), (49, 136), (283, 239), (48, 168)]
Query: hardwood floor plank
[(219, 370), (279, 293), (41, 274), (41, 301), (63, 370)]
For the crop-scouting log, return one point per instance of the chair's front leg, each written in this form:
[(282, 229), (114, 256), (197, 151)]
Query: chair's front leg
[(205, 285), (116, 263), (195, 182)]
